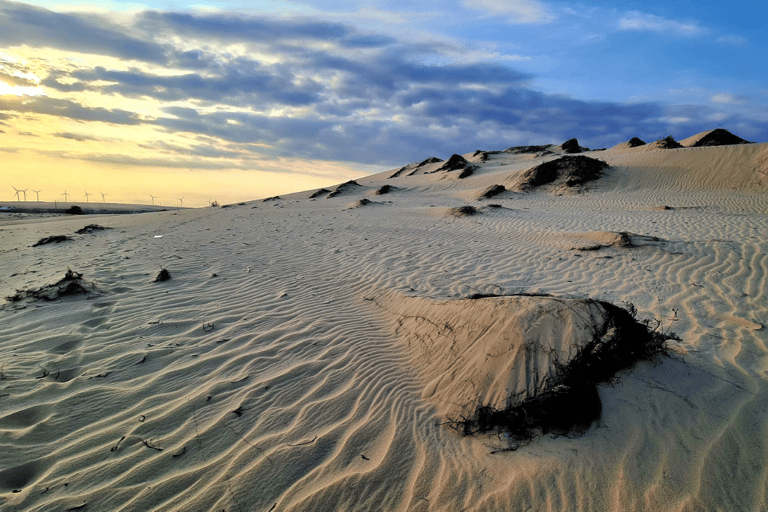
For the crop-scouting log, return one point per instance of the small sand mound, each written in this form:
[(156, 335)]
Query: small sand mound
[(268, 199), (571, 171), (716, 137), (492, 191), (72, 284), (384, 189), (455, 163), (362, 202), (463, 211), (318, 193), (344, 188), (667, 142), (521, 365)]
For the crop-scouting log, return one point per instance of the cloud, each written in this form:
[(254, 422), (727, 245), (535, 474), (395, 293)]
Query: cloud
[(67, 109), (519, 11), (22, 24), (79, 137), (733, 40), (727, 98), (639, 21)]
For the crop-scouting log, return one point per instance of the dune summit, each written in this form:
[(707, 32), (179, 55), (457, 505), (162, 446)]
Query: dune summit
[(308, 355)]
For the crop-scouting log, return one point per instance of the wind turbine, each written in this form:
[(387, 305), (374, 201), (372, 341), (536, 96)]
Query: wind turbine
[(153, 199), (17, 192), (86, 197), (103, 195), (38, 194), (181, 202), (65, 196)]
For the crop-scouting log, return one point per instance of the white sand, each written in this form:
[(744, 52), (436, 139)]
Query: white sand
[(277, 369)]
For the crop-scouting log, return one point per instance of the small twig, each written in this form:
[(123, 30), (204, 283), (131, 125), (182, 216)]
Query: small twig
[(304, 443), (239, 411), (45, 372), (142, 418), (117, 445), (146, 443), (182, 452), (273, 507), (207, 327), (79, 507), (364, 457), (142, 359)]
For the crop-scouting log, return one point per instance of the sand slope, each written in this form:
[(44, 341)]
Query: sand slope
[(270, 372)]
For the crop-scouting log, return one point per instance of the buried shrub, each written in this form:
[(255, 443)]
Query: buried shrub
[(74, 210), (492, 191), (568, 403)]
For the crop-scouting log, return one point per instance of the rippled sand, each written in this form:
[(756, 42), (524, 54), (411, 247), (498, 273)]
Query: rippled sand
[(270, 372)]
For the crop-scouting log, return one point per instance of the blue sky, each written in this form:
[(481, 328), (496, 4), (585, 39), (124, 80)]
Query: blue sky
[(300, 94)]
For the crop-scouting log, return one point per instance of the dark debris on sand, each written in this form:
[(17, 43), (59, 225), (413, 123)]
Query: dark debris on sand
[(71, 284), (569, 403), (635, 142), (162, 276), (51, 240), (90, 228), (385, 189)]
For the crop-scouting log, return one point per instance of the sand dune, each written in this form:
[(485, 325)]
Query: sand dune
[(279, 368)]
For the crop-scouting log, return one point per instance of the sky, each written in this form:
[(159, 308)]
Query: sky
[(239, 100)]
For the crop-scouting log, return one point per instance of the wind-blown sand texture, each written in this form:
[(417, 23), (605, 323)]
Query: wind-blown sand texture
[(278, 368)]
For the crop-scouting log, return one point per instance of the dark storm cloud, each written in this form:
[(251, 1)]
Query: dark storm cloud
[(23, 24)]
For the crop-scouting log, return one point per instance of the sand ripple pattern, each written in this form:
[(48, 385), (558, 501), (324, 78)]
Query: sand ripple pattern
[(263, 375)]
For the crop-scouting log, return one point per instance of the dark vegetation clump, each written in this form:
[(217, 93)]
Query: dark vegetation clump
[(492, 191), (463, 211), (572, 146), (268, 199), (466, 172), (72, 284), (455, 163), (635, 142), (52, 239), (385, 189), (343, 188), (573, 170), (485, 154), (74, 210), (668, 142), (163, 275), (568, 403), (90, 228), (520, 150), (720, 137), (318, 193)]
